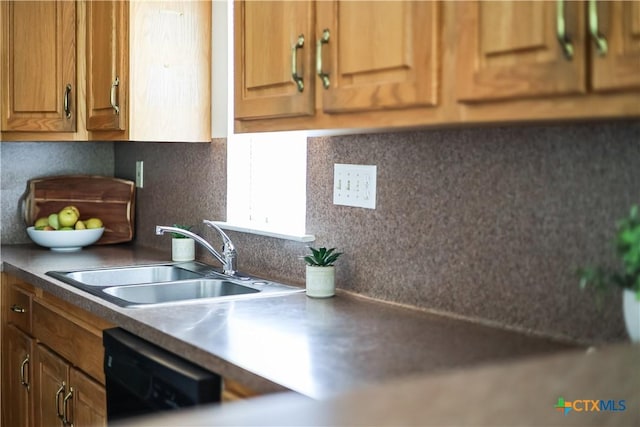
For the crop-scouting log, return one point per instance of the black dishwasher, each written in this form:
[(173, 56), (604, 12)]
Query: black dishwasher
[(142, 378)]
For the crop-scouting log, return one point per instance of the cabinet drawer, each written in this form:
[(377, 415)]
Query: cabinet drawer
[(19, 307), (70, 337)]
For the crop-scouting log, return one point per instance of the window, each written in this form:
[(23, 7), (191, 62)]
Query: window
[(266, 184), (266, 172)]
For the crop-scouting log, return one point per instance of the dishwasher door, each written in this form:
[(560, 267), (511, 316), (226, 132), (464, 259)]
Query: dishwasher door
[(142, 378)]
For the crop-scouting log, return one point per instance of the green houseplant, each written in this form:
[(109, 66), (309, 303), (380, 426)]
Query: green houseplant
[(183, 248), (627, 276), (320, 272)]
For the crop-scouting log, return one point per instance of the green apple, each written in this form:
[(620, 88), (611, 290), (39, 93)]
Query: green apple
[(80, 225), (53, 221), (74, 208), (41, 223), (66, 228), (93, 223), (67, 217)]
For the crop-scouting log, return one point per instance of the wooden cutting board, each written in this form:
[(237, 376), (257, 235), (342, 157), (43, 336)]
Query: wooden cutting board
[(110, 199)]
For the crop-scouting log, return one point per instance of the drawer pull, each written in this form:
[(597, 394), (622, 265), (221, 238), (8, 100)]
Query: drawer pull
[(112, 95), (65, 411), (561, 31), (294, 63), (59, 393), (66, 104), (23, 377), (17, 309), (323, 76), (598, 39)]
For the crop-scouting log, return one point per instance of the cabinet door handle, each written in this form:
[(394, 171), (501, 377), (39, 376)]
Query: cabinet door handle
[(321, 41), (598, 39), (65, 408), (23, 368), (294, 63), (17, 309), (561, 31), (60, 393), (66, 101), (112, 95)]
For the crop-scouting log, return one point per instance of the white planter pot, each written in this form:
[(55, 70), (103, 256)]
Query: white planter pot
[(183, 249), (321, 282), (631, 310)]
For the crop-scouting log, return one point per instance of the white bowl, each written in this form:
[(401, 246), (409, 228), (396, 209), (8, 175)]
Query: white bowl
[(65, 240)]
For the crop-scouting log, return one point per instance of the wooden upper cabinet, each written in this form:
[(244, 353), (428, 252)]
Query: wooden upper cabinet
[(151, 60), (361, 55), (170, 71), (619, 25), (378, 55), (107, 66), (511, 49), (266, 40), (39, 85)]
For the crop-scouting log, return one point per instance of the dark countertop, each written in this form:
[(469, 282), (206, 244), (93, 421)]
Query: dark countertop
[(315, 347)]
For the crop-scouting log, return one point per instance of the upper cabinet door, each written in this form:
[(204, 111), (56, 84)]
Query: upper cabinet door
[(39, 89), (170, 71), (269, 37), (512, 49), (107, 69), (378, 55), (618, 24)]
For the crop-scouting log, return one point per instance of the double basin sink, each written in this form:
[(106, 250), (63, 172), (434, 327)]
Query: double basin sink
[(162, 284)]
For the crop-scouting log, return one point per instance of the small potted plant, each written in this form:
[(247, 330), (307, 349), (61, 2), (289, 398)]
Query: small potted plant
[(320, 272), (183, 248), (627, 277)]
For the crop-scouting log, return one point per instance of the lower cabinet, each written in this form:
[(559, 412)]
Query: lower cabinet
[(48, 377), (66, 395), (51, 358), (17, 386)]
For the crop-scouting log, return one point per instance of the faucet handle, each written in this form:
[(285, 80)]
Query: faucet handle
[(227, 243), (228, 249)]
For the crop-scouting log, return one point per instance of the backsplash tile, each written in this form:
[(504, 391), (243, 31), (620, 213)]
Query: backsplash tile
[(488, 223), (22, 161), (184, 183), (484, 223)]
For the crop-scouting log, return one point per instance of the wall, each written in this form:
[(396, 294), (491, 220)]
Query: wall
[(489, 224), (21, 161), (484, 223)]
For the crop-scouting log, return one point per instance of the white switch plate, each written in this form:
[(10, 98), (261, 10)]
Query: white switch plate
[(139, 174), (354, 185)]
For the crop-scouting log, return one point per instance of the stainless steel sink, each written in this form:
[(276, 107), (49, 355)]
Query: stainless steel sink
[(131, 275), (178, 291), (172, 283)]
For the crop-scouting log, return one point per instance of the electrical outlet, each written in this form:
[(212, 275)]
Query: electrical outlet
[(139, 174), (354, 185)]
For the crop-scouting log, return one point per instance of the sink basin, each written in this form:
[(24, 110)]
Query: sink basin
[(178, 291), (161, 284), (128, 275)]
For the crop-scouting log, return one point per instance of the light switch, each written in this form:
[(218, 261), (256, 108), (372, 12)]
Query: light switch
[(354, 185)]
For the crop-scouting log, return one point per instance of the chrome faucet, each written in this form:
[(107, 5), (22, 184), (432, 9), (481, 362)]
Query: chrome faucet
[(229, 255)]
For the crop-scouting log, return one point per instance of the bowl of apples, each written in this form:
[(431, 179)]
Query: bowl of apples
[(64, 231)]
